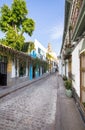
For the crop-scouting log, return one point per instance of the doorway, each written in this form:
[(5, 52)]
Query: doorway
[(34, 70), (3, 70)]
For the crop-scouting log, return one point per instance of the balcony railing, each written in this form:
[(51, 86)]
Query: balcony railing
[(76, 10), (67, 53)]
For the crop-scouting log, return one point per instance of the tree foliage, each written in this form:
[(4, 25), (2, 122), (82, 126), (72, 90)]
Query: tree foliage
[(31, 47), (48, 56), (28, 47), (14, 23)]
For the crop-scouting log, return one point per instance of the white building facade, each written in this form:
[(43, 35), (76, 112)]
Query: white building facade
[(40, 50), (73, 49)]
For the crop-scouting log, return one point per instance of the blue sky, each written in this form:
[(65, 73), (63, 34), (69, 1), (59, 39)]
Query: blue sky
[(49, 21)]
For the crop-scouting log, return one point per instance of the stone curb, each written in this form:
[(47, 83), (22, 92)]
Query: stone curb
[(12, 89)]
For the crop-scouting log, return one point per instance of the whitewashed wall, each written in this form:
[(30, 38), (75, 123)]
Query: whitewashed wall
[(13, 74), (27, 69), (13, 69), (76, 67), (66, 69), (39, 45), (63, 69), (60, 67)]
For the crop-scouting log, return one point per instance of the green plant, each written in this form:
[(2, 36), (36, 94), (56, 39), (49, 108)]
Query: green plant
[(70, 27), (64, 77), (84, 104), (68, 84), (14, 22)]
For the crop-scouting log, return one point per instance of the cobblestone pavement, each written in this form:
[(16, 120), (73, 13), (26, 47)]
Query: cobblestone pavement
[(32, 108)]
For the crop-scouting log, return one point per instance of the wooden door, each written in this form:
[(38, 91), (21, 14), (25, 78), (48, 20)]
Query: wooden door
[(82, 78)]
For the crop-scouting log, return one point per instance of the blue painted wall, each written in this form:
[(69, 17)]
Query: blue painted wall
[(30, 72), (37, 71), (33, 54)]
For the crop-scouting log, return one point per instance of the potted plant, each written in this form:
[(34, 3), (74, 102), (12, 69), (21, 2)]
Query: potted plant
[(64, 78), (68, 86)]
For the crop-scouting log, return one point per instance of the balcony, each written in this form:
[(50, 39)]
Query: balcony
[(67, 54), (76, 10), (78, 20)]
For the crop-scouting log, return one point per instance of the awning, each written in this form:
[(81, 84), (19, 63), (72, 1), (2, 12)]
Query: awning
[(83, 47)]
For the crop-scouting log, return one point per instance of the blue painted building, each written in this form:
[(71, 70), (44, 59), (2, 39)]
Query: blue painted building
[(31, 67), (40, 52)]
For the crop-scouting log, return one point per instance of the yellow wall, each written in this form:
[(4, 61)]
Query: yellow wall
[(9, 66)]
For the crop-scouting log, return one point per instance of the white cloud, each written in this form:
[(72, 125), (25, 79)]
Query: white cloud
[(56, 32)]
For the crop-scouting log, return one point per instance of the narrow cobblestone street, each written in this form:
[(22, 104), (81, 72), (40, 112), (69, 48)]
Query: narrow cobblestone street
[(34, 108)]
